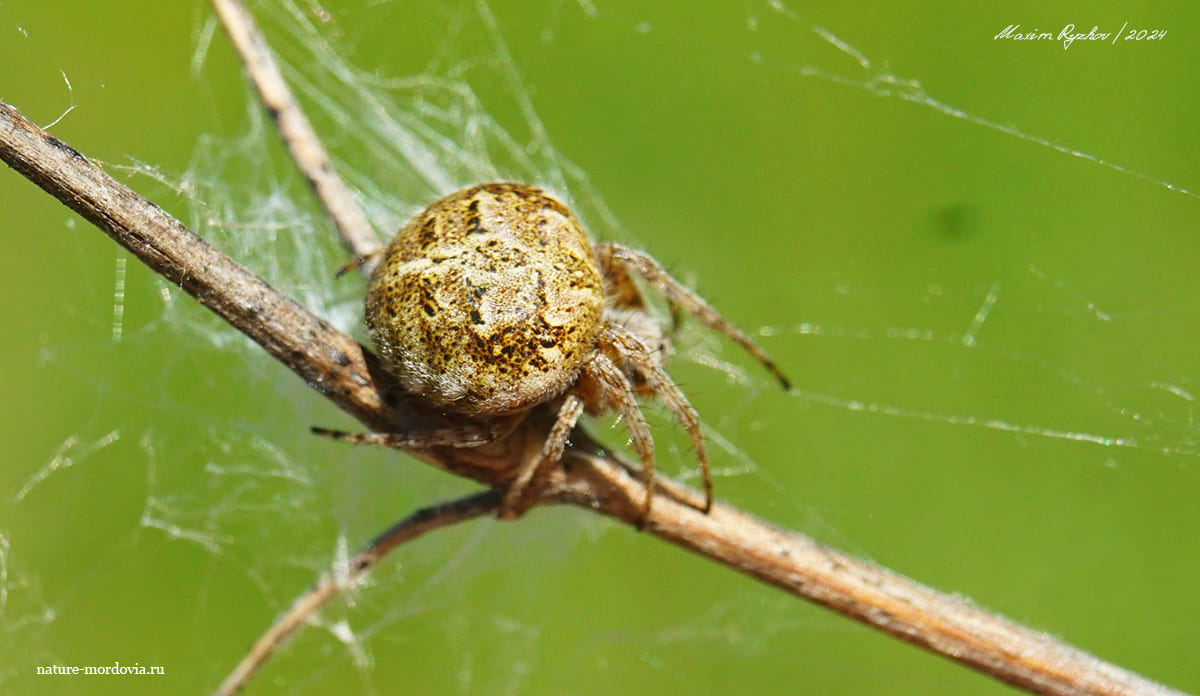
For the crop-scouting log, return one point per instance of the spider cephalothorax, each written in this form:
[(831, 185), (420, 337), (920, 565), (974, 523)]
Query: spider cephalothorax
[(492, 301)]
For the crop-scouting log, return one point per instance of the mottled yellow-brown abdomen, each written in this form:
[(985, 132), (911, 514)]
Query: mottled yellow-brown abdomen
[(488, 302)]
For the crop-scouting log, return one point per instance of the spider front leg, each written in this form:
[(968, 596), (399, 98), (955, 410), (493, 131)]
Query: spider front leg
[(639, 358), (608, 389), (620, 261)]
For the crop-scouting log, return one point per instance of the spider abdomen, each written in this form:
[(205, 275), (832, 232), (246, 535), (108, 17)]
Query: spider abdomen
[(488, 302)]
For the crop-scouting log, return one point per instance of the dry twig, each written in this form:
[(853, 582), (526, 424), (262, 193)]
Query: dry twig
[(344, 577), (296, 130), (346, 373)]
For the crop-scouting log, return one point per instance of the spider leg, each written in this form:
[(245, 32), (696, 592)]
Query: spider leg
[(616, 392), (639, 356), (552, 451), (612, 256), (623, 293), (359, 262), (618, 284), (463, 435)]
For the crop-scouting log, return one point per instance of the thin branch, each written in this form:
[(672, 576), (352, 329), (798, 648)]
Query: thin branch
[(298, 134), (345, 372), (347, 575)]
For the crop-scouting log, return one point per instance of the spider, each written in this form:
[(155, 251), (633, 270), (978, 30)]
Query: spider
[(493, 301)]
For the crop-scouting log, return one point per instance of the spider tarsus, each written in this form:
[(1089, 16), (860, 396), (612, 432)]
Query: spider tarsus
[(510, 507), (356, 263), (512, 501), (761, 356)]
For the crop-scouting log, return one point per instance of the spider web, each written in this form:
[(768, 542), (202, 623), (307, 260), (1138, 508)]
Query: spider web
[(979, 272)]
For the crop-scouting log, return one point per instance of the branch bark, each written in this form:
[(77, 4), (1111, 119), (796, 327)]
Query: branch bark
[(346, 373)]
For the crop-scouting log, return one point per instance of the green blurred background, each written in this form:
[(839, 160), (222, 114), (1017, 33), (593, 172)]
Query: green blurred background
[(993, 342)]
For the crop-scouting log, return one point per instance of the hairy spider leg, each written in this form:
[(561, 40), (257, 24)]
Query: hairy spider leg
[(614, 256), (630, 347), (359, 262), (613, 390), (552, 451), (462, 435)]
